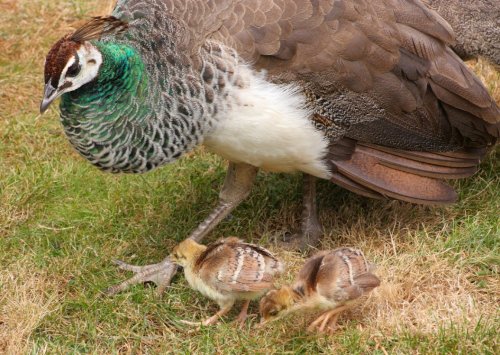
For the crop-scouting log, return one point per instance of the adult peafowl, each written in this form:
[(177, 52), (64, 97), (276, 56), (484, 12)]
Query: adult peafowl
[(364, 93)]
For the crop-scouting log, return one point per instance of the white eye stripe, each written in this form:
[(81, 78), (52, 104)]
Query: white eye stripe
[(89, 61), (62, 78), (74, 68)]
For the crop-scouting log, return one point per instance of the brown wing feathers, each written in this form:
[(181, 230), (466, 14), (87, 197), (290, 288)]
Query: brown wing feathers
[(233, 266), (376, 171), (339, 275), (410, 165), (368, 170), (394, 51), (380, 66)]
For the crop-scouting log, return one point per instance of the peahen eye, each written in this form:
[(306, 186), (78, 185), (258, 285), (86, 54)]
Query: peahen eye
[(74, 69)]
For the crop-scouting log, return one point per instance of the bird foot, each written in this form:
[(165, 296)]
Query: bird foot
[(160, 274), (326, 323), (240, 321), (331, 328), (301, 241), (315, 325), (311, 230), (212, 320)]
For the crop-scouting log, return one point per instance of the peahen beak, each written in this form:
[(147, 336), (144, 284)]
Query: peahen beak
[(49, 95)]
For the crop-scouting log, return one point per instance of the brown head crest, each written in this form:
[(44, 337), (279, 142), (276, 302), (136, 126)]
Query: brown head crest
[(67, 46), (98, 27)]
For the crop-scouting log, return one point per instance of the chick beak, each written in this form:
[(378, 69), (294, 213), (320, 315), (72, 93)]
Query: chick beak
[(48, 97)]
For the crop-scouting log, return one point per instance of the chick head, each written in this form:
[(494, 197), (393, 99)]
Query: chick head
[(276, 304), (186, 252)]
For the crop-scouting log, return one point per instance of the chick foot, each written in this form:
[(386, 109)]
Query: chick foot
[(332, 325), (242, 317), (326, 322), (329, 326), (213, 319), (314, 326), (160, 274)]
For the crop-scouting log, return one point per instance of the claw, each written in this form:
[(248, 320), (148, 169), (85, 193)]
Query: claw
[(128, 267), (160, 274), (187, 322), (301, 241)]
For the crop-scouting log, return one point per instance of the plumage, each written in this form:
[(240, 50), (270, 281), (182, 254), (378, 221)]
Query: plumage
[(381, 68), (227, 271), (367, 94), (329, 281)]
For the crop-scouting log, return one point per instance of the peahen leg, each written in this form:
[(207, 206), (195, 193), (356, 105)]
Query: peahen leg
[(237, 185), (311, 229)]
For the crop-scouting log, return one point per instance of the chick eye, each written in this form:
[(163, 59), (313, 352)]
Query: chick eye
[(74, 69), (273, 313)]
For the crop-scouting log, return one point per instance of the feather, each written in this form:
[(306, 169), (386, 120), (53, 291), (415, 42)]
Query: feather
[(98, 27)]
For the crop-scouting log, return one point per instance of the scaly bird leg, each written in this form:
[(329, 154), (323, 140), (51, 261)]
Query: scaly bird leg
[(242, 317), (326, 319), (213, 319), (237, 185), (332, 324), (317, 321), (311, 229)]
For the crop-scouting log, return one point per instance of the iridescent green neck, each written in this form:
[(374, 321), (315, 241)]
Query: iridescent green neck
[(122, 78), (111, 121), (144, 109)]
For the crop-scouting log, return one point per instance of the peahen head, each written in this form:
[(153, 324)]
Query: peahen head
[(74, 61), (129, 103)]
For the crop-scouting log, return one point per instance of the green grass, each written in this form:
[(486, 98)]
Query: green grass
[(62, 222)]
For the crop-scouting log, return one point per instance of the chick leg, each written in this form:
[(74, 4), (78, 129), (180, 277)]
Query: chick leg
[(311, 229), (324, 319), (240, 320), (215, 318), (327, 317), (332, 324), (317, 321), (237, 185)]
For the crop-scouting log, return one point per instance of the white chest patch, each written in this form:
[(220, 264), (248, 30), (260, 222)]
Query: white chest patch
[(268, 127)]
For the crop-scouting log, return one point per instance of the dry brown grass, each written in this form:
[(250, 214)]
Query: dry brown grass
[(422, 290), (425, 293), (28, 295), (489, 75)]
